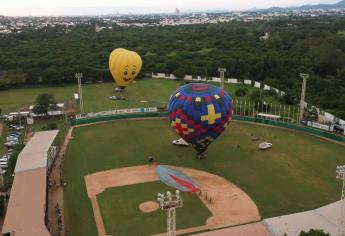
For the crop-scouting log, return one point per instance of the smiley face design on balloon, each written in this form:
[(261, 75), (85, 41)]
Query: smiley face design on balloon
[(130, 71), (124, 66)]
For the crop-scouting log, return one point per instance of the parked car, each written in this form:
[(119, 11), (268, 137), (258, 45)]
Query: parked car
[(14, 135), (11, 143), (3, 171), (6, 156), (3, 159), (18, 132), (338, 129), (10, 138), (16, 127), (3, 164)]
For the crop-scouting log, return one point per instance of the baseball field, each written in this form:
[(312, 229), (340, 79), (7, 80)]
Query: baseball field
[(297, 174)]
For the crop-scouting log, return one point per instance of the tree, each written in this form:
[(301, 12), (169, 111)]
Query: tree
[(314, 232), (13, 160), (327, 59), (44, 101), (51, 126), (341, 107), (241, 92), (255, 96), (2, 205)]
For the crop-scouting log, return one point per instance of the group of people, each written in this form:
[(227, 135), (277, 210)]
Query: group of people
[(59, 220), (55, 181)]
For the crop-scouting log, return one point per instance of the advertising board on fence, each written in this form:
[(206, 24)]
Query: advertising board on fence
[(318, 125), (115, 112)]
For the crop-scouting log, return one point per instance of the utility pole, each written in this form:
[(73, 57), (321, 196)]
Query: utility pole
[(340, 171), (79, 76), (222, 72), (304, 86), (170, 202)]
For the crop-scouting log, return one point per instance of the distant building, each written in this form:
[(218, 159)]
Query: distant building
[(177, 11)]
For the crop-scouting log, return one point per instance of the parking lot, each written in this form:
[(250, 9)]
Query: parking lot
[(13, 138)]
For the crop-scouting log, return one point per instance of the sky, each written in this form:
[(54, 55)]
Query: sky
[(99, 7)]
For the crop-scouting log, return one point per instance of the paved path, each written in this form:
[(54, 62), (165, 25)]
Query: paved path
[(254, 229), (229, 206), (55, 192)]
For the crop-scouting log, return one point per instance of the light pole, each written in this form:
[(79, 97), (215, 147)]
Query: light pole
[(222, 71), (79, 76), (304, 86), (170, 202), (340, 171)]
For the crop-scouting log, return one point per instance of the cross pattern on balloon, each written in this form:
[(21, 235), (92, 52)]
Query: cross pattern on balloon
[(211, 115)]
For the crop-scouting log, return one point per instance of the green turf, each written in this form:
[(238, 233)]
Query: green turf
[(143, 93), (11, 100), (119, 208), (297, 174), (41, 125)]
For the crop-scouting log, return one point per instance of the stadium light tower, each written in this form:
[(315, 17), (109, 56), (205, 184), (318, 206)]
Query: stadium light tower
[(304, 86), (340, 171), (222, 72), (170, 202), (79, 76)]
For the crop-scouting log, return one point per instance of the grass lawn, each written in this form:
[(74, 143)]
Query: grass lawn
[(120, 210), (297, 174), (11, 100), (144, 93), (41, 125)]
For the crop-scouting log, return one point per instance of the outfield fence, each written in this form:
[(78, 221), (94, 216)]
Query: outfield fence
[(304, 129)]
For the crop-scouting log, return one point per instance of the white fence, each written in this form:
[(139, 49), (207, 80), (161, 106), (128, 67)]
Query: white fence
[(324, 117)]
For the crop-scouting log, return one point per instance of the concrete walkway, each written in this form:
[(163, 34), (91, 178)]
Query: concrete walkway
[(257, 229), (55, 192)]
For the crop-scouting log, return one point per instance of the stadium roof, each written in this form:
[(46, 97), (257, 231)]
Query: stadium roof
[(27, 205), (26, 208), (34, 154)]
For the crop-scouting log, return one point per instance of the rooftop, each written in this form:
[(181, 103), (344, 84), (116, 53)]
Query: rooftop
[(34, 154)]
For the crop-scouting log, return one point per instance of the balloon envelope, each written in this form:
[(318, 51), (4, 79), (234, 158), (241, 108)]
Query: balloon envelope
[(177, 179), (124, 66), (200, 113)]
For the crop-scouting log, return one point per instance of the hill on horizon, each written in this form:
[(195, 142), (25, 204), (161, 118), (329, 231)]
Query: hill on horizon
[(337, 5)]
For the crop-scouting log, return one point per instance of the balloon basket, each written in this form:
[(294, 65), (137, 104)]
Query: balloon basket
[(201, 156)]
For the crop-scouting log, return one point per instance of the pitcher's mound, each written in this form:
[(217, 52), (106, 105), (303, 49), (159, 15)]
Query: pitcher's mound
[(148, 206)]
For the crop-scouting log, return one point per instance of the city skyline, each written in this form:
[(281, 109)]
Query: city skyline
[(101, 7)]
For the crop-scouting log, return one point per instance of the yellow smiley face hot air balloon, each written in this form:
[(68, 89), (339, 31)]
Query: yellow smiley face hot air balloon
[(124, 66)]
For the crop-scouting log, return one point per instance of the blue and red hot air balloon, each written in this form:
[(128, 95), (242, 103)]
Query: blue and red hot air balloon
[(200, 113)]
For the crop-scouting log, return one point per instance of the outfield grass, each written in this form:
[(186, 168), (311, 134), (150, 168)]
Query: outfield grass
[(120, 210), (143, 93), (297, 174), (11, 100)]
